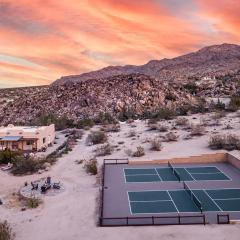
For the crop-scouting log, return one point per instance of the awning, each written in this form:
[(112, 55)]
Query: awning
[(11, 138)]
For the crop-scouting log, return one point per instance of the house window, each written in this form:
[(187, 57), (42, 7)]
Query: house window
[(44, 140), (29, 142)]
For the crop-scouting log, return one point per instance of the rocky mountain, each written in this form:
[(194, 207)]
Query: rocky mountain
[(213, 61), (210, 72)]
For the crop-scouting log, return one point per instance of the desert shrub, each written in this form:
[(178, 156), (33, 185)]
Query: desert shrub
[(127, 114), (181, 121), (8, 156), (219, 115), (156, 144), (91, 166), (216, 142), (191, 87), (227, 142), (96, 137), (171, 137), (104, 150), (170, 97), (152, 127), (161, 113), (197, 130), (162, 128), (6, 231), (22, 165), (105, 118), (111, 128), (139, 152), (132, 133), (130, 120), (61, 122), (86, 122), (152, 121), (234, 104), (33, 202)]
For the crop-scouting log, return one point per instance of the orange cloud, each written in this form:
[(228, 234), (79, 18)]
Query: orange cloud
[(224, 16), (71, 36)]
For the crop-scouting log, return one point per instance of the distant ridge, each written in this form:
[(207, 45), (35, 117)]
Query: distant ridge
[(216, 60)]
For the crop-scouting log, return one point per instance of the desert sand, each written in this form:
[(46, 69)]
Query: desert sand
[(73, 214)]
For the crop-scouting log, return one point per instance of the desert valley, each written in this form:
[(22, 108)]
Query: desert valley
[(129, 113)]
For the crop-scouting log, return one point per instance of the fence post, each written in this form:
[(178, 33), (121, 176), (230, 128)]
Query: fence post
[(179, 219), (152, 220), (127, 221)]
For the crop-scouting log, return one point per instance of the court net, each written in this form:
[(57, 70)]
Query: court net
[(193, 197), (175, 172)]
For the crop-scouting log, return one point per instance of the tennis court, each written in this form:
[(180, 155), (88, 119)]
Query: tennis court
[(160, 194), (203, 173), (182, 201)]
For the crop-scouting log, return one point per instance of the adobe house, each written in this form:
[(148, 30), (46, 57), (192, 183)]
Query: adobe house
[(26, 138)]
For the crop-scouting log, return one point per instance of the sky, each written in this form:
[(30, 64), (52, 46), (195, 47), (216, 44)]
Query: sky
[(40, 41)]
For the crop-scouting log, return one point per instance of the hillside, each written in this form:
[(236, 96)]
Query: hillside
[(210, 72)]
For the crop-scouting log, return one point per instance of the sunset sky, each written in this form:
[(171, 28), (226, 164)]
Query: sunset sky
[(42, 40)]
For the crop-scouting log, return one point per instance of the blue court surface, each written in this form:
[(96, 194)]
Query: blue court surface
[(170, 193), (203, 173), (182, 201)]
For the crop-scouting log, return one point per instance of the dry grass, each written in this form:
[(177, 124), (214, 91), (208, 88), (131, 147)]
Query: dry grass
[(197, 130), (171, 137), (228, 142), (181, 121), (6, 231), (104, 150), (156, 145), (91, 166), (139, 152), (162, 128), (96, 137)]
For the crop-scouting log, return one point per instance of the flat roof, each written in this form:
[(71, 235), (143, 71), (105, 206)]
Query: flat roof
[(21, 128), (11, 138)]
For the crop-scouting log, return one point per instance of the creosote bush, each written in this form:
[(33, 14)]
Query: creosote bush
[(91, 166), (197, 130), (156, 145), (132, 133), (96, 137), (33, 202), (181, 121), (105, 118), (104, 150), (6, 231), (29, 165), (8, 156), (111, 128), (139, 152), (171, 137), (228, 142), (162, 128)]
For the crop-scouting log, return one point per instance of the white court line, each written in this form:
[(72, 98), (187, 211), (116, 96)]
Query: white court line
[(190, 174), (172, 201), (208, 173), (158, 175), (154, 201), (129, 204), (212, 200), (226, 199)]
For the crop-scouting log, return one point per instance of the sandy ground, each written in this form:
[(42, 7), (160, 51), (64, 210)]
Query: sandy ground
[(72, 214)]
